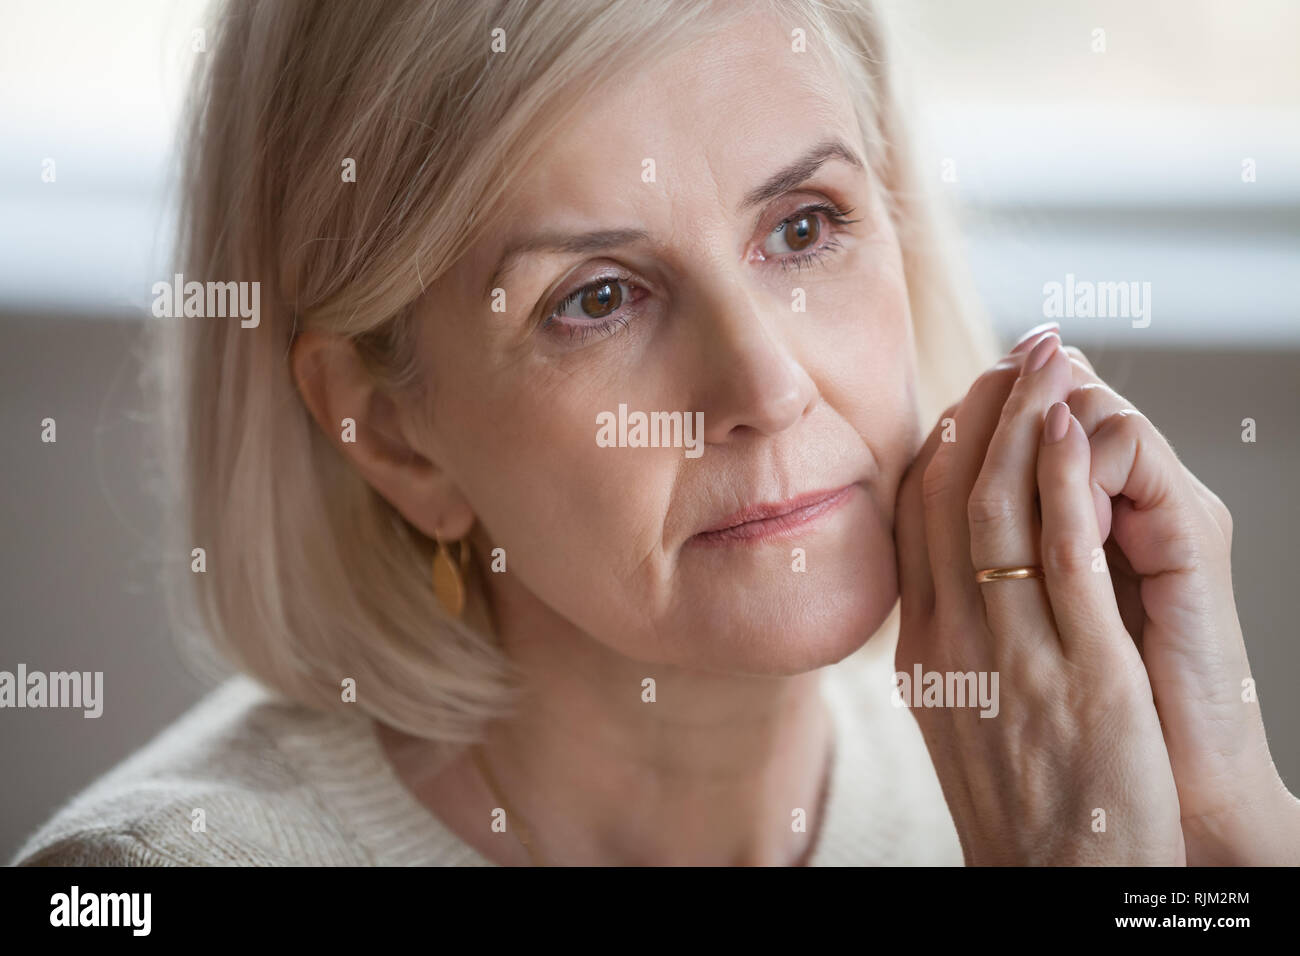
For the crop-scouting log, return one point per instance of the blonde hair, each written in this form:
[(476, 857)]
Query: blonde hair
[(311, 576)]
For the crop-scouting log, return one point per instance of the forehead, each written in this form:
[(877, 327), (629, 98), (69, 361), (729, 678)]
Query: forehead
[(715, 118)]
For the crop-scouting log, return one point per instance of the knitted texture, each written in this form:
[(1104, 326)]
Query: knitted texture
[(279, 784)]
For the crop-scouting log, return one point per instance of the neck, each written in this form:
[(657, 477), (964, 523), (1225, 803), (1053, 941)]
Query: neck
[(708, 774)]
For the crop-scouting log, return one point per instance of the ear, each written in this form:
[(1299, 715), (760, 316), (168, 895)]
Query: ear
[(384, 444)]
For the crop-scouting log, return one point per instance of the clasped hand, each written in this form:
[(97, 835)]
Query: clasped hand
[(1128, 731)]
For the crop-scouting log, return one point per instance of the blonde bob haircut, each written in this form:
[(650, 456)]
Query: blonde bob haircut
[(311, 577)]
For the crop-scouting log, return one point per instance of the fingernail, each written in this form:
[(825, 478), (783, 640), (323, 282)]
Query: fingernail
[(1037, 330), (1041, 353), (1057, 423)]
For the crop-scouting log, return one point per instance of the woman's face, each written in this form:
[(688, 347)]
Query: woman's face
[(726, 295)]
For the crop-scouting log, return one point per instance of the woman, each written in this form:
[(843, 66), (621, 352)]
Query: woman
[(558, 506)]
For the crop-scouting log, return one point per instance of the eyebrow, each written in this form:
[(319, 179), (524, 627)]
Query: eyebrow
[(800, 171), (570, 243), (785, 179)]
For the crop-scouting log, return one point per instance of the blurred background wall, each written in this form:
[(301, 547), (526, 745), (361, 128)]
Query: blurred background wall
[(1115, 142)]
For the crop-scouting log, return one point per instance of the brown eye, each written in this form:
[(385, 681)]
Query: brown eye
[(598, 301), (601, 307), (798, 233)]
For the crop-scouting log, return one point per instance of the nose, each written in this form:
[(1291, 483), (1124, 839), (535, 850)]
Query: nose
[(753, 381)]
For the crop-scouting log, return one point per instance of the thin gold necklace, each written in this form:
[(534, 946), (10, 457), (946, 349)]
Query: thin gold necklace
[(520, 826), (513, 820)]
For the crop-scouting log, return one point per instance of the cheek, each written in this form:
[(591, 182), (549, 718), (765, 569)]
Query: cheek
[(581, 524), (866, 356)]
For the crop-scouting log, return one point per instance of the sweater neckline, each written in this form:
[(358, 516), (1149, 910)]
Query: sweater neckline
[(363, 791)]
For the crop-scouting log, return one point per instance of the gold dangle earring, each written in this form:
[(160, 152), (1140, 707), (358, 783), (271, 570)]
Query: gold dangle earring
[(449, 577)]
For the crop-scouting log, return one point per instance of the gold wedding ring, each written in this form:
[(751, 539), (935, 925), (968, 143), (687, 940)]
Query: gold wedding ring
[(1008, 574)]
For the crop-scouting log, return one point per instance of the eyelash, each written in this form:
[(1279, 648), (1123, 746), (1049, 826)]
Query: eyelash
[(605, 326), (611, 324), (838, 216)]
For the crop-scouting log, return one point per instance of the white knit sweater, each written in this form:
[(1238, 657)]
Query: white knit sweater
[(280, 784)]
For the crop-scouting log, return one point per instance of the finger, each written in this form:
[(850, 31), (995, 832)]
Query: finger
[(1214, 505), (1093, 402), (1035, 335), (1074, 563), (1130, 458), (912, 555), (1031, 338), (1076, 355), (946, 488), (1082, 366), (1001, 510)]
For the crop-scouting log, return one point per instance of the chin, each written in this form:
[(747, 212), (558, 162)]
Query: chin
[(794, 623)]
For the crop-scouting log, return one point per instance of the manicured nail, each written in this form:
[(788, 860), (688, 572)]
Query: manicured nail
[(1037, 330), (1057, 423), (1041, 353)]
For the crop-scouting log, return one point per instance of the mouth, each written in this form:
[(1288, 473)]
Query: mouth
[(774, 519)]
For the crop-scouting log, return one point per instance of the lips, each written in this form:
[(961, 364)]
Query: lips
[(765, 520)]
